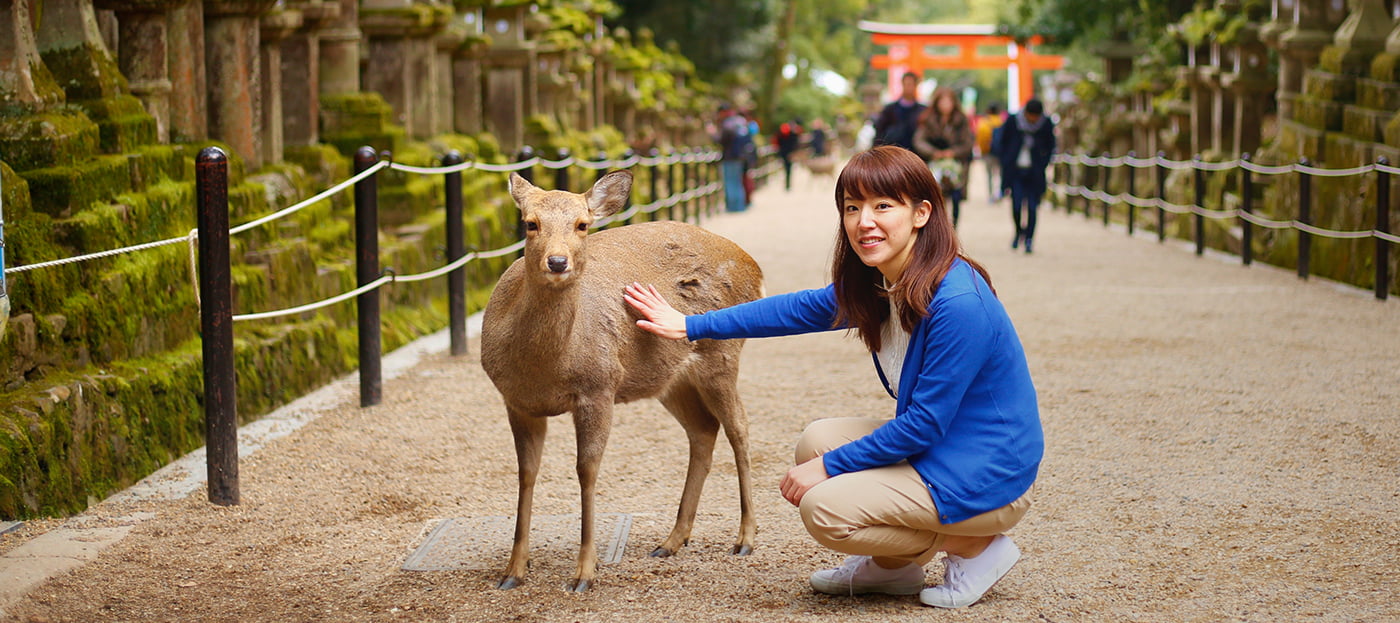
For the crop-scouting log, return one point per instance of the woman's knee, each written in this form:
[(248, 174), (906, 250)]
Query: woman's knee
[(825, 435)]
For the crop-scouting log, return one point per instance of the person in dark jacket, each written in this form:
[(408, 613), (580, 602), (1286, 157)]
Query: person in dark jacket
[(953, 470), (1025, 144), (899, 119)]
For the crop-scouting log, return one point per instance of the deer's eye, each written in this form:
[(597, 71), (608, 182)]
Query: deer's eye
[(583, 226), (532, 226)]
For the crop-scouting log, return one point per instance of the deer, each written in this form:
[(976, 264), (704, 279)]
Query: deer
[(557, 337)]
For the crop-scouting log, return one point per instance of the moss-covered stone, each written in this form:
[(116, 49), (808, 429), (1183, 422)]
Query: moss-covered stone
[(122, 122), (63, 190), (54, 138), (86, 72)]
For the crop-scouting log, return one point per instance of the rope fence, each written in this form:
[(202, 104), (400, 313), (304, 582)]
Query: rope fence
[(691, 187), (1086, 170)]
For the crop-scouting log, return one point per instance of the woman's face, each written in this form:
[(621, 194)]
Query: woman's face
[(882, 231), (945, 105)]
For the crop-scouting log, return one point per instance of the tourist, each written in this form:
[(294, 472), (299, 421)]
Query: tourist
[(899, 119), (987, 126), (944, 138), (1025, 146)]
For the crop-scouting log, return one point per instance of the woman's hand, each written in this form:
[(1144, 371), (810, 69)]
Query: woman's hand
[(657, 315), (801, 478)]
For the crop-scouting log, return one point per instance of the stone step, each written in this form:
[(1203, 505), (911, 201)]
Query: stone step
[(1366, 124), (1377, 94), (1328, 86), (1319, 114)]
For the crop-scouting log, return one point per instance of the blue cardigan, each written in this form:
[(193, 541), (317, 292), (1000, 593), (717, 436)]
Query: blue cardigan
[(965, 418)]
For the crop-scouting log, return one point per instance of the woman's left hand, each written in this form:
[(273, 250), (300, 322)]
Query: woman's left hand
[(801, 478)]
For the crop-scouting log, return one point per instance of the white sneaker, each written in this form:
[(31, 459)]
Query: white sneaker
[(858, 575), (968, 579)]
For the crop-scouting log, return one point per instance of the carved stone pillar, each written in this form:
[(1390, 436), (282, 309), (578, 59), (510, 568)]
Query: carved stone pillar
[(1222, 60), (301, 73), (401, 58), (467, 88), (442, 84), (340, 51), (234, 73), (189, 92), (1249, 81), (273, 28), (143, 54), (1360, 37), (1290, 70), (510, 56), (1199, 77)]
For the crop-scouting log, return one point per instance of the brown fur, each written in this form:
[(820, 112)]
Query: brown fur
[(555, 343)]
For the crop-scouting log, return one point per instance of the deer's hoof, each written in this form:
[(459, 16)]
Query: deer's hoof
[(661, 552), (742, 550), (509, 582), (578, 585)]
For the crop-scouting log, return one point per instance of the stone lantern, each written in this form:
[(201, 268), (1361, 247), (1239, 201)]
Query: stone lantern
[(402, 58), (1222, 100), (467, 63), (508, 61), (1198, 75), (1248, 80), (234, 71)]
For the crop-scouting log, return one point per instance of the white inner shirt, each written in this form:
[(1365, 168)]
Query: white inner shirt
[(894, 342)]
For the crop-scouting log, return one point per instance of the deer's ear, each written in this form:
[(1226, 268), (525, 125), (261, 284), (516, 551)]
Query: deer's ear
[(520, 188), (609, 194)]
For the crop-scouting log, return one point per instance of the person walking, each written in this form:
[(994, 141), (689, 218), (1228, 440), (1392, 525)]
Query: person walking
[(986, 126), (787, 140), (818, 138), (732, 134), (944, 138), (953, 470), (1026, 144), (897, 120)]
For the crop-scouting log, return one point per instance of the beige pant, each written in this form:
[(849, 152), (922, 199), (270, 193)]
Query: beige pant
[(885, 511)]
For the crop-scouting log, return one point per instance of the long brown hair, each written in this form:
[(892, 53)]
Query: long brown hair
[(955, 118), (861, 303)]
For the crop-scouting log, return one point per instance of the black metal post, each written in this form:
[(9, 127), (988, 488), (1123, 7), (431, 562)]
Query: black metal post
[(561, 174), (1199, 223), (456, 248), (1086, 181), (688, 182), (1304, 217), (216, 327), (527, 152), (1383, 226), (672, 174), (626, 205), (1161, 197), (366, 271), (1106, 174), (652, 171), (1132, 193), (1247, 208)]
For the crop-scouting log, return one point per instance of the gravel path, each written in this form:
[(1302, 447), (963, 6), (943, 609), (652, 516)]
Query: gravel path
[(1222, 444)]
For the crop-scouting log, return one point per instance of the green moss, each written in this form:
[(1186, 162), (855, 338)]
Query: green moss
[(64, 190), (86, 72), (60, 137)]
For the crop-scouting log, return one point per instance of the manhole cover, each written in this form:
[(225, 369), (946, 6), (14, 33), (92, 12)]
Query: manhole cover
[(478, 543)]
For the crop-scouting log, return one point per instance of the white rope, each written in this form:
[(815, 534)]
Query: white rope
[(1264, 169), (374, 168), (1216, 166), (1264, 222), (560, 164), (507, 168), (369, 287), (1386, 236), (1388, 169), (194, 263), (1332, 233), (1140, 163), (93, 256), (461, 166), (1302, 168)]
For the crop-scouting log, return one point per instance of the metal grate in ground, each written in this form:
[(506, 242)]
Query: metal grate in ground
[(483, 543)]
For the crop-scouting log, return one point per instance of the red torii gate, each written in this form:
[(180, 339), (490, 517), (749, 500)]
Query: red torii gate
[(909, 43)]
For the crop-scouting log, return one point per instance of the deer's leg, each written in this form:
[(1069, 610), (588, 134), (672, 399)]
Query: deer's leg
[(592, 424), (721, 396), (529, 449), (701, 429)]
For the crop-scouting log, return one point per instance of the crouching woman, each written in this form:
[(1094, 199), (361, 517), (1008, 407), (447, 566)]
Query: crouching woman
[(952, 470)]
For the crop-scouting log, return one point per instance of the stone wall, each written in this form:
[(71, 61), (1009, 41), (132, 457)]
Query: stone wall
[(103, 105), (1281, 81)]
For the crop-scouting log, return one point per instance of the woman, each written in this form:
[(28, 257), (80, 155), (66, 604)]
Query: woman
[(953, 470), (945, 139)]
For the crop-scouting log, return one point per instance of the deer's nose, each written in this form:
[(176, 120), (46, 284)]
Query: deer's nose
[(558, 263)]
